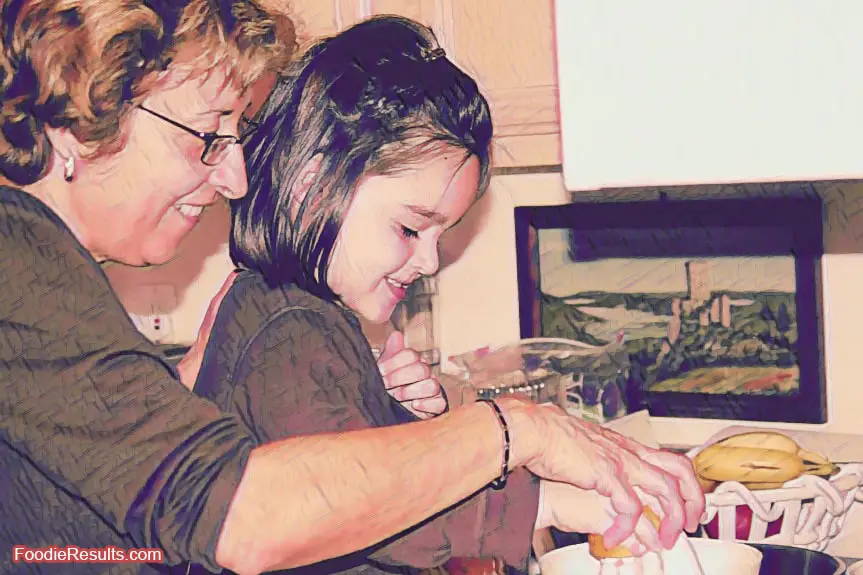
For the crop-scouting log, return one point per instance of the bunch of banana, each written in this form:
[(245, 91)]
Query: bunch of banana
[(758, 460)]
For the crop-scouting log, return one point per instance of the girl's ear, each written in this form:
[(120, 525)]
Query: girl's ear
[(304, 182)]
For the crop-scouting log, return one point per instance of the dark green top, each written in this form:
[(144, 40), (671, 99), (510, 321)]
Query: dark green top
[(99, 443), (289, 363)]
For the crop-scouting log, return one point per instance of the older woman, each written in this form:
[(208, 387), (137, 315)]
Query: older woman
[(120, 123)]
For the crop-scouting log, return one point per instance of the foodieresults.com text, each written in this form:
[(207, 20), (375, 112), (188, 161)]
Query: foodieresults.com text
[(75, 554)]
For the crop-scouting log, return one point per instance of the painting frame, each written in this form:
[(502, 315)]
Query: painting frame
[(801, 220)]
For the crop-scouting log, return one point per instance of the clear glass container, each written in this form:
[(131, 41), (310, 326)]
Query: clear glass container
[(415, 317), (585, 380)]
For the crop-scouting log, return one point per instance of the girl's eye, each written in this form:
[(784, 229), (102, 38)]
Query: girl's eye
[(409, 233)]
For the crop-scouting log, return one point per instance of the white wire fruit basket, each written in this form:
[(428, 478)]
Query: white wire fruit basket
[(806, 512)]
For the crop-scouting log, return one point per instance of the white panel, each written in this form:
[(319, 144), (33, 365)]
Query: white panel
[(697, 91)]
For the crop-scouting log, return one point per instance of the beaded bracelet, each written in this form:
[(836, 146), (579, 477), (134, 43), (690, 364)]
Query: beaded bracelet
[(500, 482)]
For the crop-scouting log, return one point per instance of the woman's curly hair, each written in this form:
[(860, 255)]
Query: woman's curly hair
[(81, 64)]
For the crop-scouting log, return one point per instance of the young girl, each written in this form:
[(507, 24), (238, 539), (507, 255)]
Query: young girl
[(370, 148)]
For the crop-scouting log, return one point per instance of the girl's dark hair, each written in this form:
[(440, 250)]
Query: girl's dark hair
[(374, 99)]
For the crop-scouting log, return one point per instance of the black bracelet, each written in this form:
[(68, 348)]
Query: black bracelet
[(500, 482)]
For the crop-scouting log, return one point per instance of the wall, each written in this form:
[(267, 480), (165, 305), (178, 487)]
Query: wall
[(475, 313), (477, 299)]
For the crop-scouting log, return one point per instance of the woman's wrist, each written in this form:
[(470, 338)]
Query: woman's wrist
[(506, 445), (522, 419)]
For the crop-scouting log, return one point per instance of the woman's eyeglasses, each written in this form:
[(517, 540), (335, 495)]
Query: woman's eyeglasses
[(216, 146)]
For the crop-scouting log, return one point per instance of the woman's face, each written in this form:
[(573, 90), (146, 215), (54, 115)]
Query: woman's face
[(136, 206), (390, 234)]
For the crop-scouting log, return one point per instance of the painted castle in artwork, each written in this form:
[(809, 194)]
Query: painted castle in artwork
[(700, 300), (708, 339)]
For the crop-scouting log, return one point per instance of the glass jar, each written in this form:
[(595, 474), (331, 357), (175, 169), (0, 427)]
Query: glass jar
[(587, 381)]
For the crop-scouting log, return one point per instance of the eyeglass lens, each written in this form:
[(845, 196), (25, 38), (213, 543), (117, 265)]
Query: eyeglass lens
[(217, 150)]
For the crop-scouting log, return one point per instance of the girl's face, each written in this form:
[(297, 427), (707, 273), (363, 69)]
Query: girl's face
[(390, 233)]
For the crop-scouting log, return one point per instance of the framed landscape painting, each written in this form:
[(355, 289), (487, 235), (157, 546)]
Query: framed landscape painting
[(717, 302)]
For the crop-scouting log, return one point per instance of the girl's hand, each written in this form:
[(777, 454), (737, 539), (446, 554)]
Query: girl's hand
[(575, 510), (409, 380)]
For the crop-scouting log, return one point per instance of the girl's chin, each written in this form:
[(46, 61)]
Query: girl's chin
[(378, 318), (374, 307), (377, 315)]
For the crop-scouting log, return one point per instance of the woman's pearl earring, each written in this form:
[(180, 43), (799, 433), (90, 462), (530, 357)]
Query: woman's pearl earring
[(69, 169)]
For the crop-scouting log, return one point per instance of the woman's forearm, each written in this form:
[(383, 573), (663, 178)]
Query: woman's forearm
[(312, 498)]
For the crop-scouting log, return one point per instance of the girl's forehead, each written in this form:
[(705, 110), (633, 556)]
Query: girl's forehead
[(425, 177), (437, 189)]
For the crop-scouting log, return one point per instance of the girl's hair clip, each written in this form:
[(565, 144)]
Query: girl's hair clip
[(432, 55), (386, 107)]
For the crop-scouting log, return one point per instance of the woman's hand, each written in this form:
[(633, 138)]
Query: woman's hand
[(562, 448), (191, 362), (409, 380), (575, 510)]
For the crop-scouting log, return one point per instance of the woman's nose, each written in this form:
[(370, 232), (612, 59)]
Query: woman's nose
[(229, 176)]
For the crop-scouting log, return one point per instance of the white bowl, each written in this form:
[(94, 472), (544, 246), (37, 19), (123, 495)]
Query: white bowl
[(715, 557)]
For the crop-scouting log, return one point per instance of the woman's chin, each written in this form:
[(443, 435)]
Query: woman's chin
[(158, 257)]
